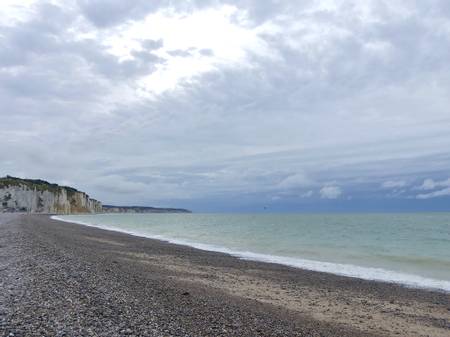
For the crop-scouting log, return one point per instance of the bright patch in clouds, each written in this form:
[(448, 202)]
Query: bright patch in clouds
[(12, 10), (220, 31)]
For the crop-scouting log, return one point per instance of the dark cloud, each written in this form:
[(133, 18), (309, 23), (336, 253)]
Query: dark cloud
[(150, 45), (105, 13), (206, 52), (42, 58)]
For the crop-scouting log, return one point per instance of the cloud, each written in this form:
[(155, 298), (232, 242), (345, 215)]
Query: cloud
[(307, 194), (227, 100), (106, 13), (435, 194), (180, 52), (294, 181), (393, 184), (117, 184), (430, 184), (330, 192), (442, 186)]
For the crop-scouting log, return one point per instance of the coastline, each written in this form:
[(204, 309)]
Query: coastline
[(341, 269), (116, 284)]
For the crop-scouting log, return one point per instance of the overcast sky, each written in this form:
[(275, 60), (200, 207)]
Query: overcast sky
[(230, 105)]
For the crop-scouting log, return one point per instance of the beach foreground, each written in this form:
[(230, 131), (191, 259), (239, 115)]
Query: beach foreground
[(63, 279)]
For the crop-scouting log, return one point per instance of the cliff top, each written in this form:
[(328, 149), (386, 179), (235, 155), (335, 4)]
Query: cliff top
[(42, 185), (38, 184)]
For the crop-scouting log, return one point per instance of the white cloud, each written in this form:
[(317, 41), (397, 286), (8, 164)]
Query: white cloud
[(430, 184), (393, 184), (442, 186), (12, 11), (330, 192), (435, 194), (295, 180)]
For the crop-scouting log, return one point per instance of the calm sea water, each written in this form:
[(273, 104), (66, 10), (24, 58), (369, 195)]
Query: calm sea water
[(408, 248)]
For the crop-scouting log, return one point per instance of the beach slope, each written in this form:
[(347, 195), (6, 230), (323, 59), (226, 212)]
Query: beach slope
[(64, 279)]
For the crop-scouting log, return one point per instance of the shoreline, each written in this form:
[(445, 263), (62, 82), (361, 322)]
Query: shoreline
[(78, 278), (341, 269)]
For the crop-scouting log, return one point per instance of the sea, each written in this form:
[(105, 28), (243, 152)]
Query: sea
[(412, 249)]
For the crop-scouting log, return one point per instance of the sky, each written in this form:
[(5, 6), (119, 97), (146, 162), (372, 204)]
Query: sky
[(237, 105)]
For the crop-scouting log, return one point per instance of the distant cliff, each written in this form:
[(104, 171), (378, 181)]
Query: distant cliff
[(39, 196), (141, 209)]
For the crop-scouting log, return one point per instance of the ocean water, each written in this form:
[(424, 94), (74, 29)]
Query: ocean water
[(408, 248)]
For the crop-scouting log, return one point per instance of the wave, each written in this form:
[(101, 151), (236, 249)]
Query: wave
[(349, 270)]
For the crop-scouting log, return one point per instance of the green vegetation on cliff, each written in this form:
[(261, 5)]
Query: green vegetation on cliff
[(30, 195), (34, 184), (40, 196)]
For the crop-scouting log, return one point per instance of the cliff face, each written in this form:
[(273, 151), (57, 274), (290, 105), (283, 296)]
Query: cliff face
[(38, 196)]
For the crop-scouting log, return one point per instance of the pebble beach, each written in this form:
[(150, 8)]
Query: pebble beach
[(64, 279)]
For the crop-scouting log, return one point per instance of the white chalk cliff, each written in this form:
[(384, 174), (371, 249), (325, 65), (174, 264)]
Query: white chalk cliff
[(38, 196)]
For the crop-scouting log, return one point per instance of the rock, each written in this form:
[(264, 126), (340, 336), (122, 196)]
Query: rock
[(39, 196)]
